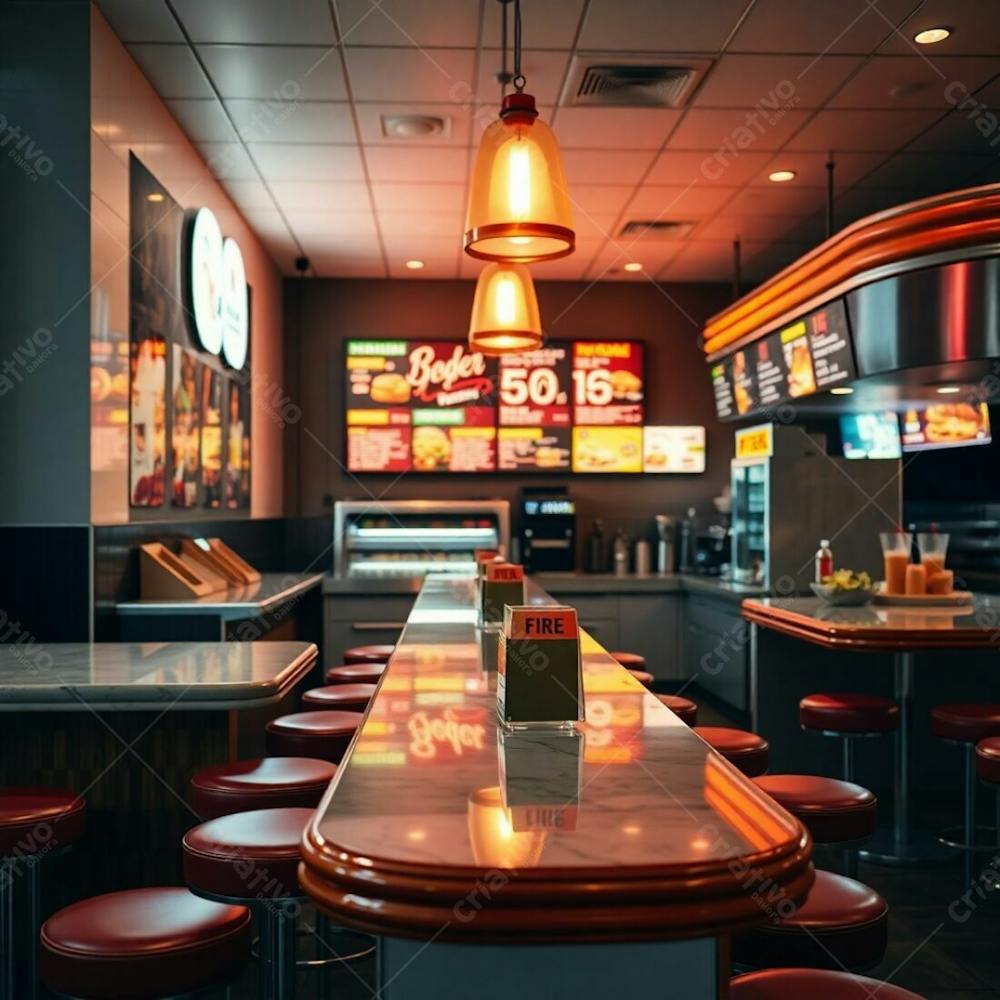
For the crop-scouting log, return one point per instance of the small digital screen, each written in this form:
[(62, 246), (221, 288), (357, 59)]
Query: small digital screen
[(870, 435), (946, 425)]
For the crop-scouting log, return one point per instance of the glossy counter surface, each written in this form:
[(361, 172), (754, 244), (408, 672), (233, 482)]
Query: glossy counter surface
[(156, 675), (879, 626), (440, 823), (270, 591)]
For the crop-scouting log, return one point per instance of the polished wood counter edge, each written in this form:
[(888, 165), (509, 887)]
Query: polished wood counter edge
[(956, 220), (879, 627), (675, 844)]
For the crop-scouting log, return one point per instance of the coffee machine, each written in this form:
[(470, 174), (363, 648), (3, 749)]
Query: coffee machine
[(548, 530)]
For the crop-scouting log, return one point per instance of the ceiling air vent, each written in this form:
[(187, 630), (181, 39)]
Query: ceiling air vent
[(613, 80), (659, 229)]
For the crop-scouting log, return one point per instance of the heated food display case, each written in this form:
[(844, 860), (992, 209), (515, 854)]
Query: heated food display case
[(411, 537)]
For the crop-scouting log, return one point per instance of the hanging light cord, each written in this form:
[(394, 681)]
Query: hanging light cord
[(504, 74), (519, 80)]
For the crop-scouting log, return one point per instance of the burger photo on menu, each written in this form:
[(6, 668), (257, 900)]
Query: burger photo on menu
[(945, 425), (607, 449), (798, 360)]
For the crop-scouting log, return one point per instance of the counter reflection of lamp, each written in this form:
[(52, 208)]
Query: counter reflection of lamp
[(541, 776), (495, 844), (746, 813)]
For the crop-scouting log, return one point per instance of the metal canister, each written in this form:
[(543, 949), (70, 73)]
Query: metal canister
[(642, 558)]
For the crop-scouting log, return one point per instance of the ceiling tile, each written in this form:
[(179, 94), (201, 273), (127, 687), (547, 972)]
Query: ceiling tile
[(565, 269), (546, 24), (395, 197), (926, 173), (774, 81), (409, 22), (861, 131), (729, 226), (274, 72), (398, 225), (288, 162), (604, 166), (320, 196), (331, 224), (975, 28), (810, 169), (695, 201), (613, 128), (391, 163), (848, 26), (611, 260), (915, 81), (457, 116), (543, 70), (681, 167), (249, 195), (228, 161), (149, 21), (435, 270), (172, 70), (591, 227), (267, 223), (599, 199), (293, 121), (442, 75), (403, 248), (203, 120), (959, 132), (291, 22), (652, 25), (339, 267), (736, 130), (778, 199)]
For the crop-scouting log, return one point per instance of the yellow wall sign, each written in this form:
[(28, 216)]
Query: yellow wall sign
[(755, 442)]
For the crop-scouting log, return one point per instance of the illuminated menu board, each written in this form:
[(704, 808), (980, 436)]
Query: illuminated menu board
[(436, 406)]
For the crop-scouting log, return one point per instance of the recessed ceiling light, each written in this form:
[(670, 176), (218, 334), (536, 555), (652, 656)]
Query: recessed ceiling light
[(949, 390), (929, 36), (414, 265), (154, 196), (415, 126), (781, 176), (633, 265), (841, 390)]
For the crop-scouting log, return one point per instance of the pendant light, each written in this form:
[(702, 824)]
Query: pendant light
[(505, 317), (519, 209)]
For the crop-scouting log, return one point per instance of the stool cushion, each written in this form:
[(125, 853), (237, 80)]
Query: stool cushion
[(325, 735), (246, 854), (143, 943), (263, 783), (642, 676), (355, 673), (988, 759), (967, 722), (368, 654), (684, 708), (849, 713), (34, 819), (843, 924), (349, 697), (747, 751), (818, 984), (630, 661), (833, 811)]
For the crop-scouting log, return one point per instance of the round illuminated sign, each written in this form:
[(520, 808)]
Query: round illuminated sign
[(206, 279), (235, 305)]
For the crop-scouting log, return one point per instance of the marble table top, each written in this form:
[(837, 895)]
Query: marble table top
[(151, 675)]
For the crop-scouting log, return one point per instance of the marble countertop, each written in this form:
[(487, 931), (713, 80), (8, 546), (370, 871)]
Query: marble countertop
[(112, 676), (625, 828), (877, 626), (270, 591)]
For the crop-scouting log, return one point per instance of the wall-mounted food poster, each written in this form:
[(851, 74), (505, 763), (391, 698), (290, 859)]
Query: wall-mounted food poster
[(186, 433), (147, 452), (211, 438), (673, 449), (238, 451)]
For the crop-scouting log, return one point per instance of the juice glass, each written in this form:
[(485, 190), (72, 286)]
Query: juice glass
[(933, 547), (896, 557)]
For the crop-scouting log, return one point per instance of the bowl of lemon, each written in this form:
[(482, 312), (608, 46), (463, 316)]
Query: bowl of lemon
[(844, 588)]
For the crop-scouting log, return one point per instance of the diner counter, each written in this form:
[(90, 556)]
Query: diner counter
[(153, 676), (443, 826), (879, 627)]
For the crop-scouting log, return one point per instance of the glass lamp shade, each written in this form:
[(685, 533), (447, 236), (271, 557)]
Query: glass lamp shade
[(519, 207), (505, 316)]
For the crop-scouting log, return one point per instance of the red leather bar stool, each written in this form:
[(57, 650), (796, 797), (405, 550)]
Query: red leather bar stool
[(630, 661), (684, 708), (144, 944), (346, 697), (848, 717), (263, 783), (820, 984), (368, 654), (744, 750), (322, 735), (34, 821), (252, 859), (355, 673), (843, 924), (988, 769), (644, 677), (966, 723)]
